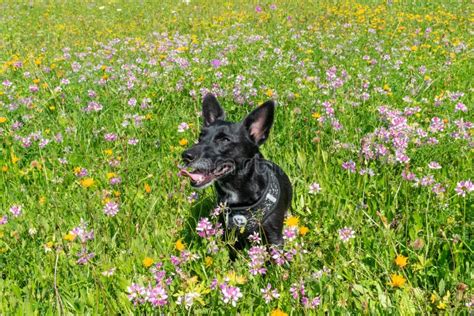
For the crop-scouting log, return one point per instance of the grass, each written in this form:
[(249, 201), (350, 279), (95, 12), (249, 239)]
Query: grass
[(391, 74)]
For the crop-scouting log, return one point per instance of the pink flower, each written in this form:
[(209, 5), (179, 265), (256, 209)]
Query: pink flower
[(16, 210), (183, 127), (111, 208), (314, 188), (464, 187), (434, 165), (269, 294), (3, 220), (349, 165), (346, 233), (230, 294)]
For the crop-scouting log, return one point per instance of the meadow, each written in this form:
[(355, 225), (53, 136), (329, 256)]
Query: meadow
[(374, 126)]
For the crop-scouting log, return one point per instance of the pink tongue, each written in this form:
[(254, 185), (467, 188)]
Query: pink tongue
[(197, 177)]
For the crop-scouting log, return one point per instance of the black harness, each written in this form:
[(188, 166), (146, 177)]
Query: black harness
[(248, 219)]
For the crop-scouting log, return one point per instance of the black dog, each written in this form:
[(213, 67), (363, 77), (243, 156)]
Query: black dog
[(257, 192)]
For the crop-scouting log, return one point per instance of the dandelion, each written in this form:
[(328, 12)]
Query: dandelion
[(292, 221), (69, 237), (87, 182), (183, 142), (147, 188), (179, 245), (346, 233), (111, 208), (16, 210), (278, 312), (314, 188), (401, 261), (147, 262), (303, 230), (397, 280)]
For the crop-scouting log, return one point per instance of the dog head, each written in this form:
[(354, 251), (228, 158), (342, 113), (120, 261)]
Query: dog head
[(224, 145)]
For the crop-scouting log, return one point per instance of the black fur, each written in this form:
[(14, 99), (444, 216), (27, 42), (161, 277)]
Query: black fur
[(228, 155)]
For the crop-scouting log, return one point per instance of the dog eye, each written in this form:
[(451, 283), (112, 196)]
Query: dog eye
[(223, 139)]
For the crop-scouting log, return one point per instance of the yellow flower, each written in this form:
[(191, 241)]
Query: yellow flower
[(69, 236), (304, 230), (87, 182), (36, 81), (292, 221), (147, 188), (269, 93), (278, 312), (183, 142), (4, 168), (401, 261), (234, 278), (108, 152), (433, 298), (397, 280), (179, 245), (15, 158), (111, 175), (414, 48), (386, 87), (147, 262), (42, 200), (316, 115), (3, 119), (441, 305), (208, 261)]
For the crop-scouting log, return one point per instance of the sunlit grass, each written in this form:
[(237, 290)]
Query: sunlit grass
[(373, 127)]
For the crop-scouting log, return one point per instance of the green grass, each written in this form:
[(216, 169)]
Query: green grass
[(283, 53)]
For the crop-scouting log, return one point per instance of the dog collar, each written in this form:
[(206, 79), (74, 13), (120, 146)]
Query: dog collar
[(250, 217)]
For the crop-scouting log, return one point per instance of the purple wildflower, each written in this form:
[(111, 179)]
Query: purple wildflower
[(346, 233), (269, 294), (3, 220), (157, 296), (464, 187), (16, 210), (349, 165), (314, 188), (111, 208), (230, 294)]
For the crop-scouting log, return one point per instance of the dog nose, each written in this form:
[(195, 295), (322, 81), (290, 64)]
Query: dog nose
[(188, 156)]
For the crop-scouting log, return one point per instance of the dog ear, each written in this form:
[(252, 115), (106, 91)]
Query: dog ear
[(260, 121), (211, 110)]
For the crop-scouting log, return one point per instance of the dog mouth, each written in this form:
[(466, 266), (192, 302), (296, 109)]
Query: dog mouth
[(201, 177)]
